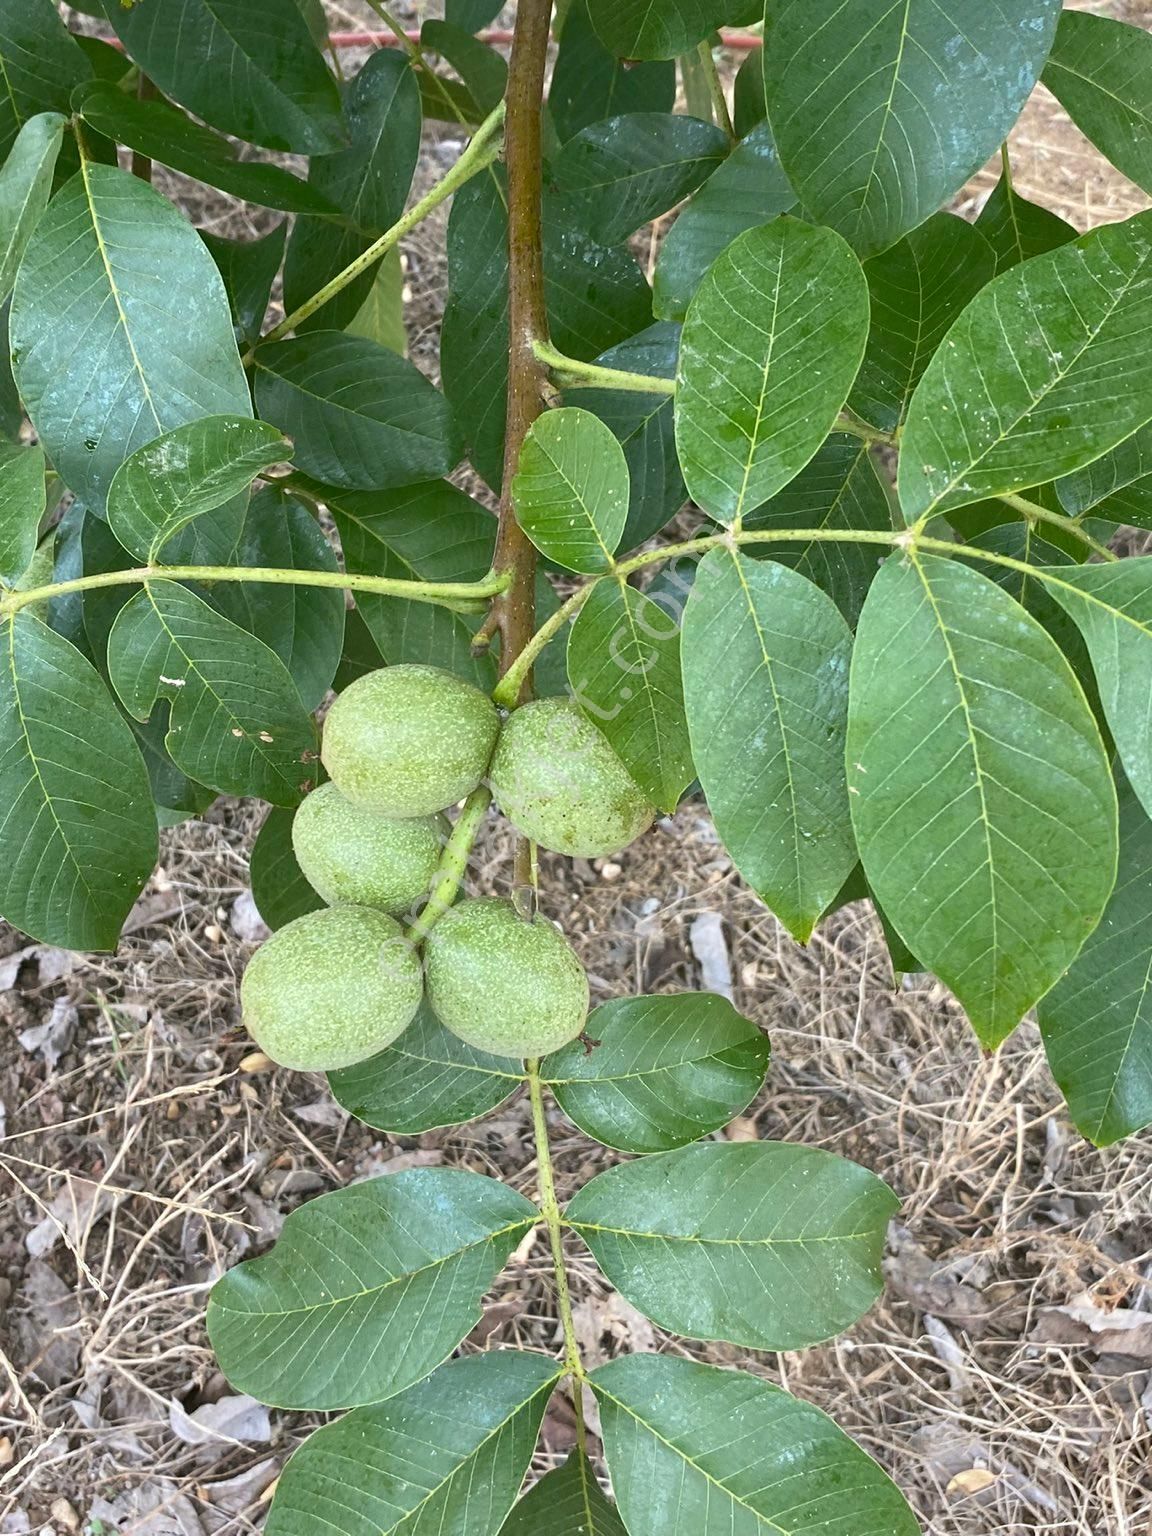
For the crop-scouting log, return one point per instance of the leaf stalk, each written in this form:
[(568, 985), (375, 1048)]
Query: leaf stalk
[(483, 149)]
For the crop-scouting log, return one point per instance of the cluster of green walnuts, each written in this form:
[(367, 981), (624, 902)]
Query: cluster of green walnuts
[(401, 746)]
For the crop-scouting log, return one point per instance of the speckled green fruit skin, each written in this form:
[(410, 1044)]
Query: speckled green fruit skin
[(348, 854), (409, 740), (559, 782), (503, 983), (331, 988)]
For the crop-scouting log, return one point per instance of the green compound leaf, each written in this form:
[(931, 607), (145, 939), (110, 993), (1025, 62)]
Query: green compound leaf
[(381, 316), (622, 173), (1097, 1020), (447, 1455), (76, 824), (178, 477), (665, 1071), (765, 659), (589, 83), (431, 532), (567, 1501), (646, 429), (304, 625), (279, 888), (1100, 71), (882, 112), (40, 62), (981, 794), (692, 1449), (1017, 230), (166, 135), (764, 1244), (772, 343), (749, 188), (570, 490), (641, 29), (839, 488), (361, 417), (917, 288), (426, 1079), (25, 187), (237, 721), (1013, 397), (1111, 605), (247, 67), (367, 1289), (22, 504), (624, 668), (120, 328)]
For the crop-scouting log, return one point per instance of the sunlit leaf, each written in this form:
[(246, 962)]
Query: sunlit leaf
[(772, 342), (120, 328), (664, 1071), (426, 1079), (367, 1289), (881, 113), (76, 824), (624, 667), (186, 473), (571, 489), (22, 503), (447, 1455), (765, 660), (237, 723), (692, 1448), (980, 791), (1097, 1020), (1013, 397), (25, 186)]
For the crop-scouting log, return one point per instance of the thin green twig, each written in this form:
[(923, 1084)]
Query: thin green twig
[(1035, 513)]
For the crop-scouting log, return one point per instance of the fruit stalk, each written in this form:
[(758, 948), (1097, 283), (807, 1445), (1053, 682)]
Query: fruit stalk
[(453, 863)]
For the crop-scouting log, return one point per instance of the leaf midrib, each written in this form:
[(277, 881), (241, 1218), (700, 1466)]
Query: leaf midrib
[(376, 1290), (719, 1242)]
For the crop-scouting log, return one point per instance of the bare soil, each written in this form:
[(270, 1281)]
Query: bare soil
[(1004, 1379)]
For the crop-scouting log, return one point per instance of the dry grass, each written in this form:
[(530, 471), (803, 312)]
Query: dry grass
[(145, 1160)]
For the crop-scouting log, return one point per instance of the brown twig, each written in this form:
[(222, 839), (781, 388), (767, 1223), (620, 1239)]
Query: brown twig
[(515, 608)]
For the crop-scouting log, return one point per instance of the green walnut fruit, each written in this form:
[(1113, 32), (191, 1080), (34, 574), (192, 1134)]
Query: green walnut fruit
[(348, 854), (503, 983), (559, 782), (409, 740), (331, 988)]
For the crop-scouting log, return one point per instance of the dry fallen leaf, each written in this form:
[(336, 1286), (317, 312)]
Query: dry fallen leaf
[(973, 1480)]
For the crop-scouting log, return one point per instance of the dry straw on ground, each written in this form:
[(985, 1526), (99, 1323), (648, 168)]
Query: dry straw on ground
[(1004, 1379)]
